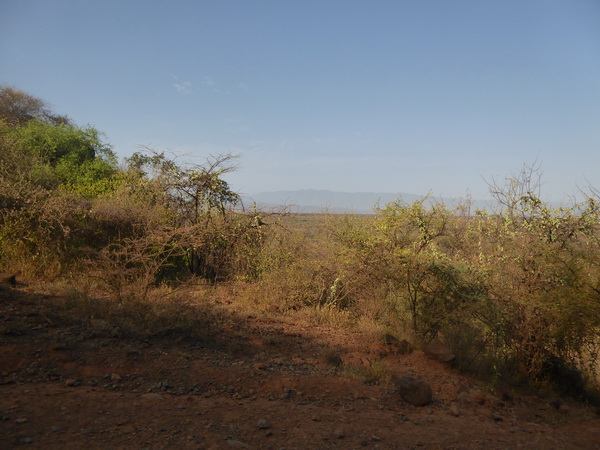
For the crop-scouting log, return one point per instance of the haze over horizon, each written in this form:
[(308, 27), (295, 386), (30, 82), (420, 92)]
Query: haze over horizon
[(347, 96)]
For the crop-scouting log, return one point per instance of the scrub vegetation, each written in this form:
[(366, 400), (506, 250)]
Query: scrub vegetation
[(513, 292)]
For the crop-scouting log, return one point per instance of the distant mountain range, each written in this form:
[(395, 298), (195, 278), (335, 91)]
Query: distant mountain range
[(320, 201)]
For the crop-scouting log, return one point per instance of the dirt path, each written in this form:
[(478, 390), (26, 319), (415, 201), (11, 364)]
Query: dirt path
[(265, 384)]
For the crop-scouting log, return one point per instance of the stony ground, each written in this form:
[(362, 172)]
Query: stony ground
[(261, 384)]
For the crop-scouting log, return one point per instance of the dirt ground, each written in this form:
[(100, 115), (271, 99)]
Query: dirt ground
[(261, 384)]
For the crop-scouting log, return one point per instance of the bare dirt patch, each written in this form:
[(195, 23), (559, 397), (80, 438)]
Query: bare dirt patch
[(262, 383)]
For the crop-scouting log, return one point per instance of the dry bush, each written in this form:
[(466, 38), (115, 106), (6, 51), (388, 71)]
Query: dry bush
[(512, 292), (296, 272)]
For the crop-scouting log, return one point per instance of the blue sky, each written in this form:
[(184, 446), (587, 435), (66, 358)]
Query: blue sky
[(377, 96)]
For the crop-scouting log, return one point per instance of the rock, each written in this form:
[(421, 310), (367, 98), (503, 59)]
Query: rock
[(20, 421), (454, 410), (440, 351), (339, 433), (414, 392), (263, 424), (115, 377)]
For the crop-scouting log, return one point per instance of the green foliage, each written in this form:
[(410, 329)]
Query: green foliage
[(67, 156)]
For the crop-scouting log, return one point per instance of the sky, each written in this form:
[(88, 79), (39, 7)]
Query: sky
[(413, 96)]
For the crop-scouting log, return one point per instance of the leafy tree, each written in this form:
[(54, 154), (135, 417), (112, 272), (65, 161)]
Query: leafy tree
[(65, 155)]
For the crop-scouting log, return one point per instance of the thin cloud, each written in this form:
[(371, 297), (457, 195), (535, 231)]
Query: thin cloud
[(209, 84), (183, 88), (208, 81)]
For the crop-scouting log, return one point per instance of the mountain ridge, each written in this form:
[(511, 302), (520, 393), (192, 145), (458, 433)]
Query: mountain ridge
[(321, 200)]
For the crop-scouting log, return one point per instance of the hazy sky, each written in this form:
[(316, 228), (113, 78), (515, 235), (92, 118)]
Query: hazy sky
[(384, 96)]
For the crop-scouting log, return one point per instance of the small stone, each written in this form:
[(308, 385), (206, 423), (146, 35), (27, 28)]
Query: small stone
[(115, 377), (263, 424), (339, 433), (22, 420), (454, 410), (375, 438), (497, 417)]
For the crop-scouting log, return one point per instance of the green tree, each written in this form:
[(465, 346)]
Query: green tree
[(66, 155)]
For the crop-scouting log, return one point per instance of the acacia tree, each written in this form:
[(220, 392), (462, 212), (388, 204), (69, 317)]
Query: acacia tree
[(201, 200), (195, 191), (17, 107)]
